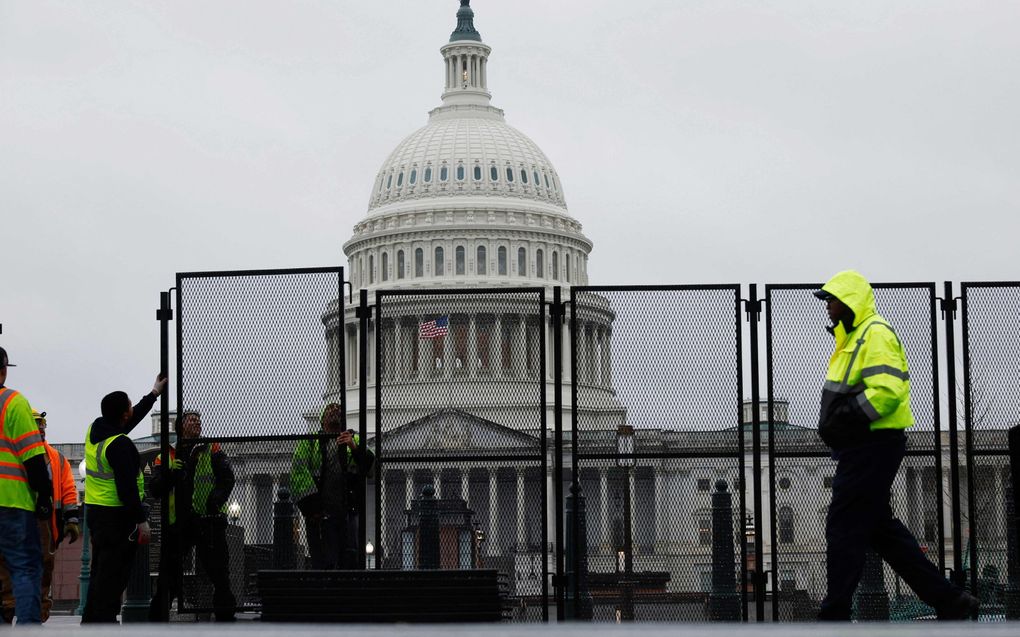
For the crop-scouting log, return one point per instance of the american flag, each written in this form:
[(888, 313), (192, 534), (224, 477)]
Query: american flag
[(435, 328)]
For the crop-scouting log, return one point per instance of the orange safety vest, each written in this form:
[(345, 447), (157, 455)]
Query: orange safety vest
[(19, 440)]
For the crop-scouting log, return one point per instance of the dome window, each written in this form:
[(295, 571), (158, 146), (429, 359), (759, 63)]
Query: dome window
[(439, 263), (509, 173), (480, 263), (444, 174), (566, 262), (427, 177), (459, 252), (501, 261), (381, 183), (419, 263), (371, 269), (556, 266), (535, 175), (385, 275), (400, 264), (546, 179), (460, 172), (413, 178), (522, 262), (539, 264), (478, 173), (493, 173), (400, 179), (524, 176), (389, 181)]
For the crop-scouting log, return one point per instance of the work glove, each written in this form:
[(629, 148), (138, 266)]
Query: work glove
[(178, 464), (72, 530), (159, 385), (142, 533), (845, 424), (43, 507)]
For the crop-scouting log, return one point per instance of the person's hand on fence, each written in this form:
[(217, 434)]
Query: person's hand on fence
[(159, 385)]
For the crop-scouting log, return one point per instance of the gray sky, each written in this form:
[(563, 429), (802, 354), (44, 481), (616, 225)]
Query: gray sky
[(698, 142)]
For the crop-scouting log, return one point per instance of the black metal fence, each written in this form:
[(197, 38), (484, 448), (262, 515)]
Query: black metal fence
[(618, 453)]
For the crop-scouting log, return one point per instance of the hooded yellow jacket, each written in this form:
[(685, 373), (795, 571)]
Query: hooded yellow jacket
[(869, 364)]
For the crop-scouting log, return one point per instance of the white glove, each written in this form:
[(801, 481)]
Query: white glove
[(159, 385)]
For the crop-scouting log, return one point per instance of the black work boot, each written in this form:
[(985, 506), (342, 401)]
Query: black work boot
[(963, 606)]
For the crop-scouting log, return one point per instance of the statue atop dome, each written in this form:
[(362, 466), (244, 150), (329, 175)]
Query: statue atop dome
[(465, 24)]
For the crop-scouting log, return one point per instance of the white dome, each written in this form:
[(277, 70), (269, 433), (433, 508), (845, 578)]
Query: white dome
[(473, 153)]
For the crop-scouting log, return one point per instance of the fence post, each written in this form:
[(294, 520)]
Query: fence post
[(1012, 601), (283, 531), (164, 315), (428, 530), (579, 603), (724, 600), (139, 589), (872, 598)]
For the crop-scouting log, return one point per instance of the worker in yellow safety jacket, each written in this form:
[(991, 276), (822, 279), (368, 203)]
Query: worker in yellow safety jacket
[(327, 479), (197, 482), (865, 408), (63, 523)]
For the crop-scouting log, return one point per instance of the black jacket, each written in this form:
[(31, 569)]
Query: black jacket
[(123, 456)]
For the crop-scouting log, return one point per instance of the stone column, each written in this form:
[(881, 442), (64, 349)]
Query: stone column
[(607, 358), (496, 353), (521, 504), (472, 345), (521, 346), (424, 358), (465, 485), (607, 531), (409, 493), (493, 508)]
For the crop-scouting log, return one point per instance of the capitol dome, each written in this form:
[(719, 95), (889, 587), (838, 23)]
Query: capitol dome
[(467, 199)]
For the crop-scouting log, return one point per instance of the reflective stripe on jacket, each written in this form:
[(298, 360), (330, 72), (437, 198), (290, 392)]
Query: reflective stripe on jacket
[(65, 494), (204, 481), (869, 362), (19, 440), (100, 486)]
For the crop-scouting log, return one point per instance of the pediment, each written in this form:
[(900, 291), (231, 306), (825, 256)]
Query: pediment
[(456, 431)]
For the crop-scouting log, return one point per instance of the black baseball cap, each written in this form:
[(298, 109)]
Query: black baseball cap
[(3, 359), (823, 295)]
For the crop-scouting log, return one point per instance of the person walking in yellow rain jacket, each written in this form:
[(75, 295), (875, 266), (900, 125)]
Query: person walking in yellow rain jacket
[(865, 408)]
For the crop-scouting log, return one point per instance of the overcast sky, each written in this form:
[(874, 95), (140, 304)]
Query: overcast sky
[(697, 141)]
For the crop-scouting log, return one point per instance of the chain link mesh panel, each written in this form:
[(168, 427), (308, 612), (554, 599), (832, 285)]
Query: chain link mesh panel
[(461, 379), (991, 407), (259, 355), (657, 403), (797, 359)]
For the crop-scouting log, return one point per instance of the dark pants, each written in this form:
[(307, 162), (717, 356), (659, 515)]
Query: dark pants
[(113, 555), (208, 536), (333, 542), (19, 546), (860, 518)]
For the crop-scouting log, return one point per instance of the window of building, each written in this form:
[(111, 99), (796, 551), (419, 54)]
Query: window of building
[(459, 252), (382, 182), (493, 173), (478, 173), (522, 262), (444, 174), (385, 275), (704, 484), (389, 181), (361, 270), (419, 262), (566, 262), (371, 269), (539, 264), (400, 264), (785, 525), (439, 264), (555, 266), (704, 531), (460, 172), (501, 261), (524, 176), (400, 179), (413, 177), (480, 260), (509, 173), (546, 179), (535, 175), (784, 482), (428, 174)]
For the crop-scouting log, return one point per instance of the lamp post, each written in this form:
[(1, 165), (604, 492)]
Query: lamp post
[(234, 511), (369, 555), (625, 460), (86, 555)]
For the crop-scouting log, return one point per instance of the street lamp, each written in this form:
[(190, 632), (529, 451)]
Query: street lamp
[(234, 511), (86, 557), (370, 554), (625, 460)]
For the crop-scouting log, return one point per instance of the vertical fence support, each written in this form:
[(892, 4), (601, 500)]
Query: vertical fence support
[(753, 310), (428, 530), (968, 444), (559, 581), (164, 315), (1012, 601), (364, 314), (724, 600), (283, 531), (579, 602), (949, 315)]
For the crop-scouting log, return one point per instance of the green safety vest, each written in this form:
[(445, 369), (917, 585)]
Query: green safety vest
[(19, 441), (869, 361), (204, 483), (306, 468), (100, 487)]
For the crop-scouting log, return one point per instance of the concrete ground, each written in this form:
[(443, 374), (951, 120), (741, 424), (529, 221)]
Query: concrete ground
[(255, 628)]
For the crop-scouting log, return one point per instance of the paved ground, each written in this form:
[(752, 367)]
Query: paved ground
[(918, 629)]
